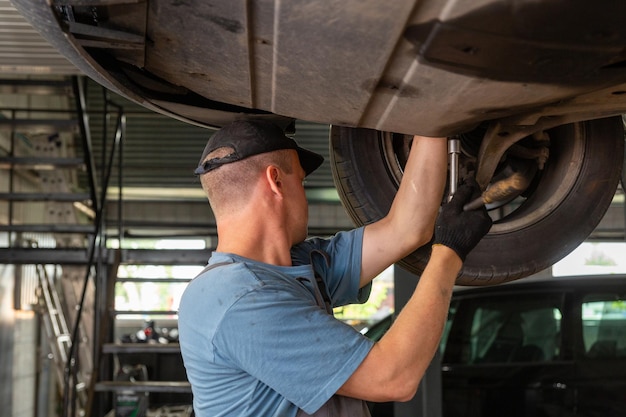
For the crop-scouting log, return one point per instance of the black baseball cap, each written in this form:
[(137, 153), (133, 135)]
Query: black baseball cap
[(253, 137)]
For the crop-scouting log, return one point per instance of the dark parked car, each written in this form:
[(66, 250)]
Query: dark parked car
[(538, 348), (533, 89)]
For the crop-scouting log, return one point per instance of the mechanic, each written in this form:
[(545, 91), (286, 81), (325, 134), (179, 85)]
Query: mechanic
[(257, 333)]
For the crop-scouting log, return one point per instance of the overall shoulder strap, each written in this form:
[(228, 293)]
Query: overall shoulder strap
[(321, 285), (209, 267)]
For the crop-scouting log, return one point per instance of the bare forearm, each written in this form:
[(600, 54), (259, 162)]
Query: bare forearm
[(396, 364), (415, 335), (411, 219), (417, 202)]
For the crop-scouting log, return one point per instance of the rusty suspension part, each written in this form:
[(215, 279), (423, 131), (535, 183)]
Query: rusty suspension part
[(502, 190)]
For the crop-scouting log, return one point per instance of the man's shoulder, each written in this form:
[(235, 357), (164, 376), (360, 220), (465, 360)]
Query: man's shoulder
[(338, 240), (224, 277), (212, 293), (235, 279)]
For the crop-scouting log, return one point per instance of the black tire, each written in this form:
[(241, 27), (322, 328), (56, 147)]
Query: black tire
[(564, 205)]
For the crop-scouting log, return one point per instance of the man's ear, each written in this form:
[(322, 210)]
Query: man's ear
[(273, 177)]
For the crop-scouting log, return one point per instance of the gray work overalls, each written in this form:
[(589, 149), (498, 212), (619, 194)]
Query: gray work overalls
[(338, 405)]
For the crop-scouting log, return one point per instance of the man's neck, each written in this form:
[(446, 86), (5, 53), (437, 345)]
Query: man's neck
[(259, 241)]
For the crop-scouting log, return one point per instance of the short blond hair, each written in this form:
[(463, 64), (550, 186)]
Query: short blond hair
[(229, 186)]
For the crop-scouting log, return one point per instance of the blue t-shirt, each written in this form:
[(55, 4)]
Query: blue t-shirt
[(254, 339)]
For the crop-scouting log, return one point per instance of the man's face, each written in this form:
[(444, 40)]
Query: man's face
[(298, 210)]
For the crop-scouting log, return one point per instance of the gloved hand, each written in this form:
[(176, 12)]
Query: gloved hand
[(462, 230)]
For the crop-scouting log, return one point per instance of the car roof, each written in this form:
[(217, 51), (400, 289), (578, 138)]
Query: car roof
[(545, 283)]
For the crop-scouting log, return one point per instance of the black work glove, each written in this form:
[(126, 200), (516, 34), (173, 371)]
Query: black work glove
[(462, 230)]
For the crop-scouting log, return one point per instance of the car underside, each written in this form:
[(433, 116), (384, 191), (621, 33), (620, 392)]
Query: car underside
[(531, 92)]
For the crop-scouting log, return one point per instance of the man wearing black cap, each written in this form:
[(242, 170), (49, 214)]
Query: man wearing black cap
[(256, 328)]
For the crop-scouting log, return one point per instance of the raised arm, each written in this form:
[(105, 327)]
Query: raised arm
[(395, 365), (410, 221)]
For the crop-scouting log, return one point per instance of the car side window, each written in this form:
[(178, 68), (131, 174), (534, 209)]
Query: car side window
[(604, 326), (504, 330), (454, 305)]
